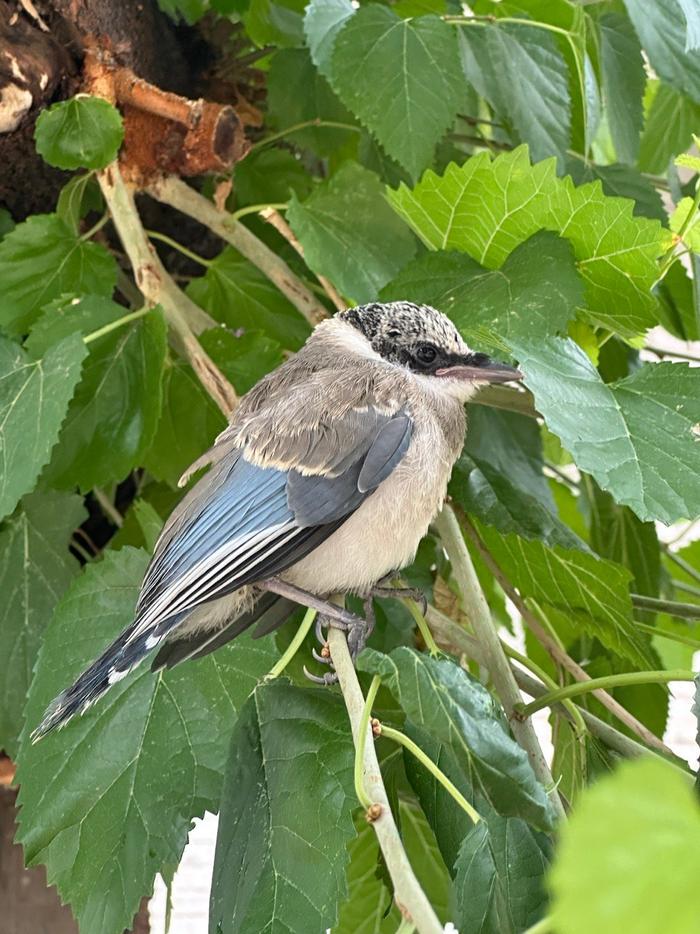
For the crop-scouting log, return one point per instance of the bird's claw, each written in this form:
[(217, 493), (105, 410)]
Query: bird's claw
[(329, 678), (384, 589)]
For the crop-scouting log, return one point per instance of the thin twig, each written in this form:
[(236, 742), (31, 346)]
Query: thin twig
[(273, 217), (293, 647), (477, 610), (182, 197), (408, 893), (108, 507), (157, 286), (672, 607), (555, 650)]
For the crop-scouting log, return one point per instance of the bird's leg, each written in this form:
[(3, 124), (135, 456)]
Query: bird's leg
[(385, 588)]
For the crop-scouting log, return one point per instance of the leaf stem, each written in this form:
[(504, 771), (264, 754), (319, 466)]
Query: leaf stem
[(670, 257), (256, 208), (478, 613), (407, 889), (358, 773), (113, 325), (190, 254), (664, 634), (685, 588), (293, 646), (683, 565), (609, 681), (97, 226), (422, 625), (672, 607), (316, 122), (108, 507), (398, 737)]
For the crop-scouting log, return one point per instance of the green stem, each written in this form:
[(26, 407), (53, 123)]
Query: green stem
[(672, 636), (195, 257), (317, 122), (108, 507), (256, 208), (113, 325), (407, 743), (98, 226), (422, 625), (359, 771), (671, 256), (578, 722), (406, 927), (683, 565), (686, 588), (672, 607), (543, 926), (605, 683), (293, 646)]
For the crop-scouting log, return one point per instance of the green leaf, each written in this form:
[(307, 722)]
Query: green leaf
[(620, 181), (35, 569), (671, 119), (188, 10), (286, 851), (499, 478), (638, 436), (424, 855), (243, 358), (83, 132), (269, 176), (691, 235), (522, 74), (623, 78), (79, 196), (238, 295), (42, 259), (6, 223), (607, 877), (514, 855), (113, 416), (270, 23), (692, 16), (536, 290), (401, 78), (443, 699), (486, 208), (593, 593), (323, 21), (679, 313), (350, 234), (661, 27), (189, 421), (34, 397), (368, 908), (107, 802), (297, 93)]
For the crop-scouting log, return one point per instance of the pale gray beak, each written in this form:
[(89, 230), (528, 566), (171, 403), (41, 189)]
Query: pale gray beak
[(487, 372)]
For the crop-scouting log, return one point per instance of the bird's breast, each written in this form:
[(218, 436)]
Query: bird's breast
[(384, 533)]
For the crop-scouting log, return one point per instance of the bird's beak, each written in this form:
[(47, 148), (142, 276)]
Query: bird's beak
[(487, 372)]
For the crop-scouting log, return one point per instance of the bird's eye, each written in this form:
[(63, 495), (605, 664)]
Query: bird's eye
[(425, 354)]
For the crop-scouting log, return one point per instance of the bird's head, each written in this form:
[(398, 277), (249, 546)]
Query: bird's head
[(427, 343)]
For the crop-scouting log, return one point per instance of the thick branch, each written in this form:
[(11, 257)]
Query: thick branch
[(182, 197), (555, 651), (477, 610), (408, 893), (183, 316)]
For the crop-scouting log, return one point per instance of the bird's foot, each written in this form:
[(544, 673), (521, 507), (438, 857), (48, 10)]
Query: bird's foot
[(392, 587)]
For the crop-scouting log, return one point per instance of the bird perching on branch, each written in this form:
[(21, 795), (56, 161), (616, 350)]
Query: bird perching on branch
[(325, 481)]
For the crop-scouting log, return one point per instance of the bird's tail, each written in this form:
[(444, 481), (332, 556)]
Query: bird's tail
[(115, 663)]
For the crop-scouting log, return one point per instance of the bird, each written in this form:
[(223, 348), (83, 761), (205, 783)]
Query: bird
[(325, 480)]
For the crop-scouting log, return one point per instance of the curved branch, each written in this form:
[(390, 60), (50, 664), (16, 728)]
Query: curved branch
[(410, 897)]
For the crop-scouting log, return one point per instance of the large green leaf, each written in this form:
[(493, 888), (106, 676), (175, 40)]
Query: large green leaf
[(593, 592), (621, 181), (537, 289), (401, 78), (298, 93), (286, 814), (610, 873), (83, 132), (243, 358), (499, 478), (323, 21), (638, 436), (42, 259), (107, 802), (444, 700), (624, 79), (34, 398), (662, 30), (113, 416), (350, 234), (521, 72), (35, 569), (368, 907), (238, 295), (671, 120), (488, 207)]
